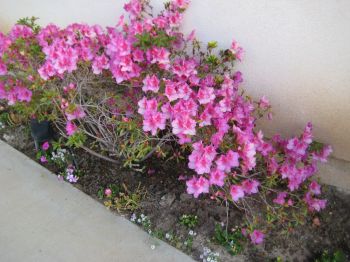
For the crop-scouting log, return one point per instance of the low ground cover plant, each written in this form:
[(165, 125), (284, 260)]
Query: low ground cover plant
[(144, 89)]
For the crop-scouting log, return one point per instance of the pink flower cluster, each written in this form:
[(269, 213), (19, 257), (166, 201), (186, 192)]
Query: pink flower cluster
[(65, 48), (15, 93), (208, 114), (75, 114), (13, 90), (191, 96), (5, 42)]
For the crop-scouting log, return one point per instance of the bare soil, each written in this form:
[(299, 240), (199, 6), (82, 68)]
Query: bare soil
[(166, 201)]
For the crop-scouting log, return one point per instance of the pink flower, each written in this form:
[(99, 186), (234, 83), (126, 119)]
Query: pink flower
[(151, 83), (18, 93), (200, 163), (151, 171), (159, 55), (201, 158), (134, 8), (4, 43), (43, 159), (317, 204), (205, 95), (170, 90), (3, 93), (18, 31), (184, 125), (236, 50), (269, 116), (250, 186), (152, 121), (76, 114), (183, 139), (64, 104), (160, 21), (248, 156), (225, 105), (183, 90), (228, 161), (280, 199), (307, 136), (217, 177), (45, 146), (138, 55), (315, 188), (217, 138), (47, 70), (197, 186), (184, 68), (11, 97), (147, 105), (323, 154), (314, 204), (66, 60), (236, 192), (181, 3), (185, 107), (3, 68), (23, 94), (297, 148), (191, 36), (100, 63), (71, 128), (174, 18), (244, 232), (264, 103), (108, 192), (68, 88), (257, 237), (294, 181)]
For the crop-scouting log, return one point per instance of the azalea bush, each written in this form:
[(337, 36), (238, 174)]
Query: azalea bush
[(144, 88)]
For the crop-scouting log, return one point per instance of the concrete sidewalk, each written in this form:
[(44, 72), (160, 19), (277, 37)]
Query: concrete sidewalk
[(42, 219)]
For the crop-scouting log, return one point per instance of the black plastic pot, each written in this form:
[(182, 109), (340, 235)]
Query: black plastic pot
[(41, 131)]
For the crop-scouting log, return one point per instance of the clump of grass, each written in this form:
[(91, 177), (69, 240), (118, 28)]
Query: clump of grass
[(123, 199), (189, 221), (232, 241)]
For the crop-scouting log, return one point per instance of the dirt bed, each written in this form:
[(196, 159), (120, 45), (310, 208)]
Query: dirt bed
[(164, 201)]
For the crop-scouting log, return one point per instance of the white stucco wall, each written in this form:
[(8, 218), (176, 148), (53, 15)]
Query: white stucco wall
[(297, 52)]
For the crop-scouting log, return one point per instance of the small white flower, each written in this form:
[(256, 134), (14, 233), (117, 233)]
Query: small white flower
[(149, 231), (167, 236), (153, 247), (139, 220), (206, 251), (191, 233), (133, 217), (185, 243)]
